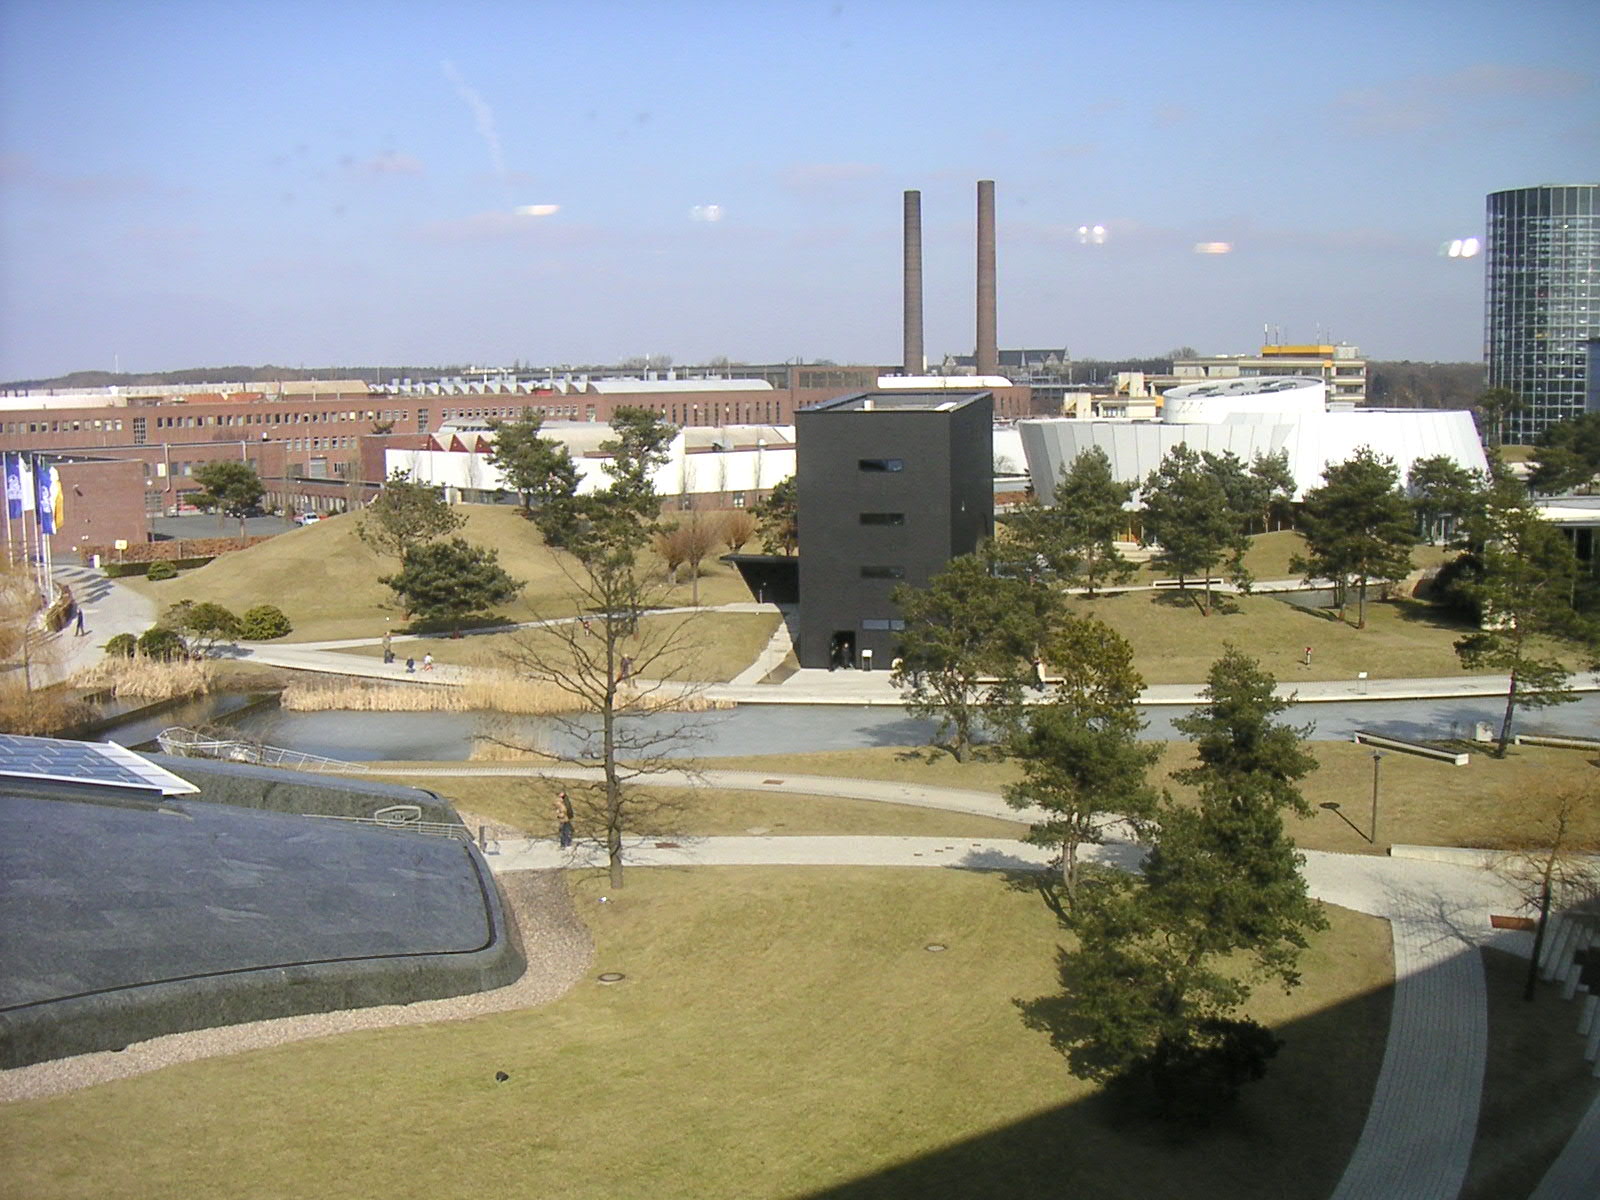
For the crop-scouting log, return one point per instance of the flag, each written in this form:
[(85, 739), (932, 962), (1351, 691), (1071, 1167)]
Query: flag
[(57, 501), (25, 475), (13, 486), (44, 500)]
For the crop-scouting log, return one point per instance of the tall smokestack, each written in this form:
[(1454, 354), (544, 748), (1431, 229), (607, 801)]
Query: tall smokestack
[(988, 348), (914, 360)]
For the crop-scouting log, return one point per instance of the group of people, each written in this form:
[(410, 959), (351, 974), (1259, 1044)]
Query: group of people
[(411, 663)]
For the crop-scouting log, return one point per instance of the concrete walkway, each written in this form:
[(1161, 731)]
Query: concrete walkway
[(109, 608)]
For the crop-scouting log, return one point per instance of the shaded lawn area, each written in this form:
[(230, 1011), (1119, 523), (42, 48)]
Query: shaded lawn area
[(1536, 1086), (325, 578), (524, 805), (718, 645), (1421, 801), (780, 1032)]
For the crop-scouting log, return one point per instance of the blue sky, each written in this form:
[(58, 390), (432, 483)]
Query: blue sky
[(197, 183)]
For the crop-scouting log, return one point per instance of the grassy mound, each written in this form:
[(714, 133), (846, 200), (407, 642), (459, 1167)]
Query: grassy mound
[(325, 578)]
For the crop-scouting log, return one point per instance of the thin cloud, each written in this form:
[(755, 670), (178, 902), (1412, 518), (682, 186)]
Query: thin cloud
[(482, 116), (1424, 103), (507, 225)]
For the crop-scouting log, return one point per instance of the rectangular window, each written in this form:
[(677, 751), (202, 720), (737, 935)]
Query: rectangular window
[(881, 572), (882, 464), (879, 624), (883, 518)]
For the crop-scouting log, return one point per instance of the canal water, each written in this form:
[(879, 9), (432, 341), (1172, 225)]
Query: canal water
[(775, 729)]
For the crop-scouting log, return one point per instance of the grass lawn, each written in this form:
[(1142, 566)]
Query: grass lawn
[(524, 805), (1421, 801), (780, 1032), (1270, 554), (325, 578), (1536, 1084), (1174, 643), (719, 645)]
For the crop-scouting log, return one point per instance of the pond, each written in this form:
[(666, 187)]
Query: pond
[(777, 729)]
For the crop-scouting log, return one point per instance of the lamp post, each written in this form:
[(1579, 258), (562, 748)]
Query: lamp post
[(1377, 761)]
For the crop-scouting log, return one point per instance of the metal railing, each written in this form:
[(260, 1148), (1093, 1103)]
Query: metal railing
[(191, 743)]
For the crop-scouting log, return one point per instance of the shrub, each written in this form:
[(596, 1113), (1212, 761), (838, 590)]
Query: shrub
[(161, 570), (263, 623), (122, 645), (161, 643)]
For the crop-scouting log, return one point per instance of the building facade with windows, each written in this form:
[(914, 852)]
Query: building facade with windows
[(1542, 301), (890, 487)]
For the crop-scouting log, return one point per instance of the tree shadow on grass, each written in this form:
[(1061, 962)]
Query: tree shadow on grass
[(434, 626)]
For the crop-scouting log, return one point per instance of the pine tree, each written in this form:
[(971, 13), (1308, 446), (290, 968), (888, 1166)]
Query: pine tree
[(1080, 753), (1154, 984), (1357, 527), (1076, 535), (1188, 517)]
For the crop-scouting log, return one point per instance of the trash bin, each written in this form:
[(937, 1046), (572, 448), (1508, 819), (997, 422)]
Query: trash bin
[(866, 660)]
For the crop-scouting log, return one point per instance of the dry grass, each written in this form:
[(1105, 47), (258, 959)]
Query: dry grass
[(716, 645), (521, 806), (325, 578), (1174, 643), (489, 692), (1421, 801), (779, 1032), (141, 678)]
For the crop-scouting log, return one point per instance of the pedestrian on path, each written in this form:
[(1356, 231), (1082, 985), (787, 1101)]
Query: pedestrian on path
[(564, 819), (427, 662), (388, 654), (627, 670), (411, 666), (80, 631)]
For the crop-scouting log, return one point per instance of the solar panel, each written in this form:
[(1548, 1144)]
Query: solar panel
[(103, 764)]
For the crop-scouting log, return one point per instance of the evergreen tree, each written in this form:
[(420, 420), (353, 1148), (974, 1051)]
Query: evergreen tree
[(969, 641), (539, 469), (1076, 535), (1154, 984), (232, 488), (1273, 486), (1081, 758), (1524, 586), (1567, 455), (1443, 495), (1357, 527), (406, 514), (1188, 517), (449, 580), (778, 519)]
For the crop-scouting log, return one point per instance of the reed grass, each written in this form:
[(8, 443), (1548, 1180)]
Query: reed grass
[(483, 692), (141, 678)]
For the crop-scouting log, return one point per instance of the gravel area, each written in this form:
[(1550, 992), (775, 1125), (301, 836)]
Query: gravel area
[(554, 941)]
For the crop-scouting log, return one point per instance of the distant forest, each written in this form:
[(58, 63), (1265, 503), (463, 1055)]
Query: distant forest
[(1391, 384)]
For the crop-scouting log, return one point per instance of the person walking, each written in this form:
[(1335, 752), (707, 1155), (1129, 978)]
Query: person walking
[(411, 666), (564, 819), (427, 662), (388, 653), (81, 631)]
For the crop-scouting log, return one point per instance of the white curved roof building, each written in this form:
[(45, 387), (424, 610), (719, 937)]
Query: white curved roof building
[(1248, 417)]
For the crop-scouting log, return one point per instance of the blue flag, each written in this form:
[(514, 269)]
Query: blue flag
[(14, 486)]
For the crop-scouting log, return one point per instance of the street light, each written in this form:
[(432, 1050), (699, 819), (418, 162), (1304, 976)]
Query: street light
[(1377, 761)]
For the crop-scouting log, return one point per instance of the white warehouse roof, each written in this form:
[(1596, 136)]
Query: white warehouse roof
[(1250, 417)]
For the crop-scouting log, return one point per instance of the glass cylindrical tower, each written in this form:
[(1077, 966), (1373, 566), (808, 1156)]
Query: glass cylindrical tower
[(1542, 301)]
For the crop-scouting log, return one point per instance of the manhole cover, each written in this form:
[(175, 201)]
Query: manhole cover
[(611, 977), (936, 947)]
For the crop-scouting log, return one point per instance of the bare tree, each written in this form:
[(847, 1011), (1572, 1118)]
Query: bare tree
[(700, 534), (738, 527), (617, 664), (1553, 862), (669, 547)]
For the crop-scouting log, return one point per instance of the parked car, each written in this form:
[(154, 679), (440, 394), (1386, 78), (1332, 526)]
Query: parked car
[(308, 518)]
